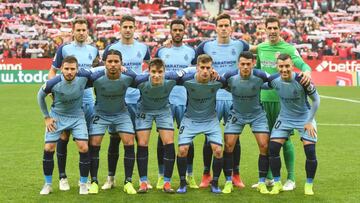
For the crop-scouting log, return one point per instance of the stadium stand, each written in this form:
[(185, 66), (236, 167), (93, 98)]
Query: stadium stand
[(34, 28)]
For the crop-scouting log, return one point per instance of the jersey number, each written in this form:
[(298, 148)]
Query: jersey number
[(232, 119), (96, 118), (181, 130), (277, 124)]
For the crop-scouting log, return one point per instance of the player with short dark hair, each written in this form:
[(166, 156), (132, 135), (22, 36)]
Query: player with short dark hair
[(267, 53), (295, 113), (65, 114), (110, 86), (86, 55), (225, 53), (245, 85), (134, 54), (176, 58)]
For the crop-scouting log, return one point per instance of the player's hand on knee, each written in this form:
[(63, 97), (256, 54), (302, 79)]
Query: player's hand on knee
[(50, 124), (305, 78), (310, 129)]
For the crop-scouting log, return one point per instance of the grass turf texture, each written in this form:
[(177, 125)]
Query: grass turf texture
[(22, 140)]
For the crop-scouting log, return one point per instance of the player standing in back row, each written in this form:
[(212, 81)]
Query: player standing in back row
[(267, 53), (225, 54), (86, 55), (176, 58), (134, 54)]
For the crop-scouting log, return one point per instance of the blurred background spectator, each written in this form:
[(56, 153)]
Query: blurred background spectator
[(34, 28)]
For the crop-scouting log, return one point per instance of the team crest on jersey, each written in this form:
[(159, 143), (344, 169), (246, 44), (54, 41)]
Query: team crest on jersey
[(233, 52), (212, 90), (295, 92), (138, 54), (213, 53), (186, 57), (167, 56), (192, 89), (253, 88), (90, 57)]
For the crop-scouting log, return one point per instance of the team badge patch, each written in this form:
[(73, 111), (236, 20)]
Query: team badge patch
[(295, 92), (186, 57), (233, 52), (138, 54)]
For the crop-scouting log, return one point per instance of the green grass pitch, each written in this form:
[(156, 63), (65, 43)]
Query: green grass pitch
[(21, 138)]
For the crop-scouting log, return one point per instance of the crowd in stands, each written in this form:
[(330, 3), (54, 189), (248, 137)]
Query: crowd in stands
[(34, 28)]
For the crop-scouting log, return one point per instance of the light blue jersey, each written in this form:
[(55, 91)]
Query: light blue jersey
[(133, 56), (225, 58), (110, 94), (175, 59), (201, 98), (293, 97), (85, 55), (110, 108), (154, 103), (295, 109), (246, 91), (200, 116), (67, 95), (155, 98), (247, 108), (67, 105)]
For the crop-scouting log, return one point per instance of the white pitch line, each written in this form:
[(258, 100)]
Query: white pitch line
[(341, 99), (339, 124)]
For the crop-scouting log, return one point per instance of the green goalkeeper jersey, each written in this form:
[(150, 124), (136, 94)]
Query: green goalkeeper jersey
[(266, 60)]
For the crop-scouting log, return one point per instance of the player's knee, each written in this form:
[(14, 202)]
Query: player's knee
[(310, 151), (217, 151), (95, 141), (274, 149), (263, 148), (142, 142), (168, 140), (183, 151), (128, 140), (50, 147), (83, 147), (229, 147)]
